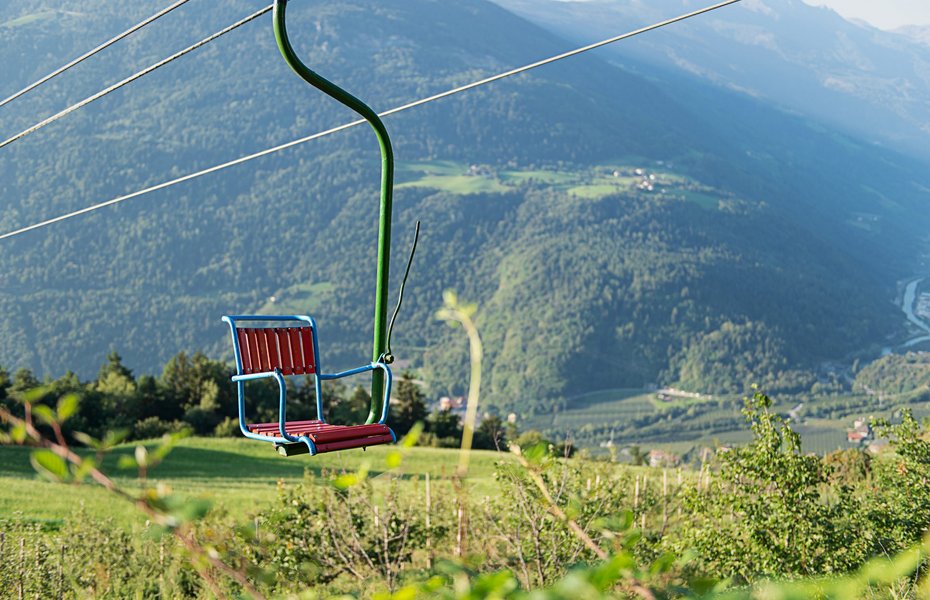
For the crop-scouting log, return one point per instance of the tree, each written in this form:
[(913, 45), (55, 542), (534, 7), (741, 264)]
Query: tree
[(637, 455), (408, 405), (446, 427), (114, 365), (343, 410), (200, 387), (491, 434)]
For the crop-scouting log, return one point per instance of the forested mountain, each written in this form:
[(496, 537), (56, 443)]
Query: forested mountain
[(767, 243)]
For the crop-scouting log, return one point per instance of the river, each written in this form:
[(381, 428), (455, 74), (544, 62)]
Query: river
[(910, 295)]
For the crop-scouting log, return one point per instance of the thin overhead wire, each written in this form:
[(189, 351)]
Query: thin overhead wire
[(303, 140), (134, 77), (90, 53)]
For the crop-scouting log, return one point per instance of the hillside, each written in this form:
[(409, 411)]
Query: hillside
[(774, 246), (807, 59)]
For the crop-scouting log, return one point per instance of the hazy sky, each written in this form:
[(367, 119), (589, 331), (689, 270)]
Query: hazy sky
[(886, 14)]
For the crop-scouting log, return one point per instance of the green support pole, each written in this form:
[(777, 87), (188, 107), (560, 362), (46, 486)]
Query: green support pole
[(387, 188)]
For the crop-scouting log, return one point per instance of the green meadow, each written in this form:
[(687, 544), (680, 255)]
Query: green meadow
[(238, 476), (587, 183)]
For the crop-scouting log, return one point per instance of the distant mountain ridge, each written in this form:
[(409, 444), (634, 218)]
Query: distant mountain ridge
[(919, 33), (783, 253), (808, 59)]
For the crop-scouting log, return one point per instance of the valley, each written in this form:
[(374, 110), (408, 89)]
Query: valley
[(617, 229)]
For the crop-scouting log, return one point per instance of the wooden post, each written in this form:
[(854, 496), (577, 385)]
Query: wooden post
[(664, 498), (38, 549), (636, 494), (429, 531), (61, 572), (460, 534), (22, 567)]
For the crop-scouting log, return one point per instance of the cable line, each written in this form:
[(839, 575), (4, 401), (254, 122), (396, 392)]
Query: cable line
[(303, 140), (134, 77), (102, 46)]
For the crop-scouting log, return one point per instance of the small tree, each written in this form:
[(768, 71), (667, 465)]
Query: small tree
[(408, 405), (491, 434), (446, 428)]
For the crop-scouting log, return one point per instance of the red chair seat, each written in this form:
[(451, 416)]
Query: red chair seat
[(328, 438)]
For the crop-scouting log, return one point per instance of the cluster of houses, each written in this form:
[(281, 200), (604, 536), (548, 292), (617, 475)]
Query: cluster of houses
[(481, 171), (647, 181), (670, 394), (862, 436)]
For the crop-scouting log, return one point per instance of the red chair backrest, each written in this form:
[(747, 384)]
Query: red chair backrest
[(289, 349)]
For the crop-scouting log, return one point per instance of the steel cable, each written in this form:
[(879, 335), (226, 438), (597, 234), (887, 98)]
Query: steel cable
[(303, 140), (134, 77), (90, 53)]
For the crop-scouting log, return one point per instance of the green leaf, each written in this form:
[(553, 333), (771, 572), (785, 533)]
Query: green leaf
[(393, 459), (49, 465), (112, 438), (346, 480), (410, 440), (536, 453), (43, 413), (87, 440), (18, 433), (574, 509), (34, 395), (67, 406), (192, 510), (126, 462), (450, 299), (82, 470), (662, 564), (168, 442)]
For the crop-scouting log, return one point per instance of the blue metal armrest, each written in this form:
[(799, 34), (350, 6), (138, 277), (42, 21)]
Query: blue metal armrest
[(388, 379), (282, 402)]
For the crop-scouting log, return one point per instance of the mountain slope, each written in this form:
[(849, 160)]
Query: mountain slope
[(807, 59), (778, 230)]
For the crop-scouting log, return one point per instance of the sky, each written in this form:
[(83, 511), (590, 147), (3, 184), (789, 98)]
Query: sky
[(885, 14)]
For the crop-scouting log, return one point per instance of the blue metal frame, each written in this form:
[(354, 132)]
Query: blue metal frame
[(318, 377)]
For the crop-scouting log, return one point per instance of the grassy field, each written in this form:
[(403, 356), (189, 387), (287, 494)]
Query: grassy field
[(298, 299), (238, 476), (27, 19), (592, 183)]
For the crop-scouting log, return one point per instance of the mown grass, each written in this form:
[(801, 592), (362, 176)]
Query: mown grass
[(298, 299), (457, 184), (44, 15), (238, 476), (590, 184)]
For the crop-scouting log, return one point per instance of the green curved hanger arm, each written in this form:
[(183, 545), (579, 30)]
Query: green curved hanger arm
[(387, 188)]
